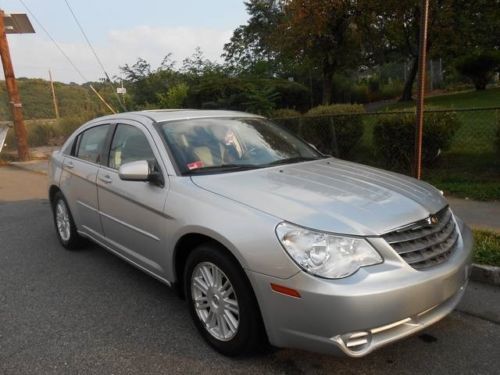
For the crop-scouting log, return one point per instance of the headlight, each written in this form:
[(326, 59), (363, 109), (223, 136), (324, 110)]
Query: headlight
[(324, 254)]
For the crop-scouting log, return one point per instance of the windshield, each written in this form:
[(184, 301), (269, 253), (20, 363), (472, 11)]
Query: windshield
[(216, 145)]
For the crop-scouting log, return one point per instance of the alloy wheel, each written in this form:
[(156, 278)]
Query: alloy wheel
[(215, 301)]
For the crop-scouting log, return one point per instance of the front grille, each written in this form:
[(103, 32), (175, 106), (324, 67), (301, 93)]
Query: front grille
[(424, 244)]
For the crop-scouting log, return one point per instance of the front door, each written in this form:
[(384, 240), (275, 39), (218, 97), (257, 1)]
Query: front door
[(132, 211)]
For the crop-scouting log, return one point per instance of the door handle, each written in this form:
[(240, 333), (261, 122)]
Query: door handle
[(106, 179), (69, 164)]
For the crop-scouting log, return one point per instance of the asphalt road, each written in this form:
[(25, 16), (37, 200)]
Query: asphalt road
[(89, 312)]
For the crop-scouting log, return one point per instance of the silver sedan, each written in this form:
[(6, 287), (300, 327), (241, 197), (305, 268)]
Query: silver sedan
[(268, 240)]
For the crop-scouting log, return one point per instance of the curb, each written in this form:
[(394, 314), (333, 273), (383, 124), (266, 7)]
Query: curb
[(485, 274), (25, 167)]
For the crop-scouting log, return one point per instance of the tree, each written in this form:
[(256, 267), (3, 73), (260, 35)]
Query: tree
[(250, 50), (197, 65), (395, 32), (297, 38), (323, 32), (145, 83), (455, 28), (479, 67)]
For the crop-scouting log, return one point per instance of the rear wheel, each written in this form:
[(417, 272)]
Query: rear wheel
[(221, 302), (64, 223)]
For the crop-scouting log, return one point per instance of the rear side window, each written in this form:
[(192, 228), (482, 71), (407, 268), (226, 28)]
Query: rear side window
[(91, 143), (129, 144)]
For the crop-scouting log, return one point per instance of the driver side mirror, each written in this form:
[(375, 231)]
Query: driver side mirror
[(141, 170)]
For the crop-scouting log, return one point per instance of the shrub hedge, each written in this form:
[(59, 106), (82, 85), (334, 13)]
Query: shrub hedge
[(288, 118), (47, 132), (394, 138), (334, 129), (497, 138), (239, 94)]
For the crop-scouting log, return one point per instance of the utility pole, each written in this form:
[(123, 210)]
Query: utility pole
[(422, 59), (54, 99), (14, 24)]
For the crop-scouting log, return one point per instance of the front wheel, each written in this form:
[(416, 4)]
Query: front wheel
[(221, 302)]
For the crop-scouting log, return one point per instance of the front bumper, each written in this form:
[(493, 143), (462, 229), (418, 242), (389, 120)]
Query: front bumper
[(375, 306)]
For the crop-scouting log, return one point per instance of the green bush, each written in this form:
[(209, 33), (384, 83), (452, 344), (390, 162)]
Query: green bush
[(261, 101), (497, 138), (288, 118), (41, 134), (285, 113), (479, 67), (358, 94), (175, 96), (290, 94), (224, 93), (390, 91), (47, 132), (334, 129), (394, 138), (254, 95), (68, 125)]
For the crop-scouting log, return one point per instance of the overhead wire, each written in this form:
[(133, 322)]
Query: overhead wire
[(78, 71), (91, 47)]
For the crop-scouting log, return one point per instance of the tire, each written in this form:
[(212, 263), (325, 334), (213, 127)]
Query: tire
[(216, 317), (64, 224)]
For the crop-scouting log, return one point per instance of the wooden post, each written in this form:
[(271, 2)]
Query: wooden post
[(102, 99), (54, 99), (15, 100), (422, 59)]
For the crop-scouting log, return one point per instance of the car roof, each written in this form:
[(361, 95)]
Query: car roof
[(161, 115)]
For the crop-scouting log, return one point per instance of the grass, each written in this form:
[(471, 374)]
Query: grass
[(478, 127), (468, 99), (467, 175), (476, 190), (487, 248), (471, 167)]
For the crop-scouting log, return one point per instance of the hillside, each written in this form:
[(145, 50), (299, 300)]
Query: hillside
[(74, 100)]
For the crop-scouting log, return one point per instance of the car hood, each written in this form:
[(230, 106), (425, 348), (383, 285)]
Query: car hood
[(330, 195)]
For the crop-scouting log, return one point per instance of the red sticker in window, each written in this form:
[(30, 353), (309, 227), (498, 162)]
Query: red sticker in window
[(195, 165)]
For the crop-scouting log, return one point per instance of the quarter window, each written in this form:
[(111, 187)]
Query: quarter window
[(129, 144), (91, 143)]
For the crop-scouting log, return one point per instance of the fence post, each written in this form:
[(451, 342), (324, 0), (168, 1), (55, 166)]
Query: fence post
[(335, 147), (299, 127)]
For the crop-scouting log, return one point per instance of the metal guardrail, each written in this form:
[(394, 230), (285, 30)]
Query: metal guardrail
[(4, 128)]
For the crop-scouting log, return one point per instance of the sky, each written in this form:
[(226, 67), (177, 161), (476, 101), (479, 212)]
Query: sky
[(121, 31)]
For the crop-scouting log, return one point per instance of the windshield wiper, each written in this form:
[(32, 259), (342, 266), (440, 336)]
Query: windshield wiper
[(295, 159), (223, 168)]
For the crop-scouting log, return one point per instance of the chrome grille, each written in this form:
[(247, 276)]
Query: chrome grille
[(424, 244)]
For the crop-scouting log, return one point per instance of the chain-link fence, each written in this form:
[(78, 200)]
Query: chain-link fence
[(462, 144)]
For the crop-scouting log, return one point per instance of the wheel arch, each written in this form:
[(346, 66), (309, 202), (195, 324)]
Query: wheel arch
[(53, 190), (186, 244)]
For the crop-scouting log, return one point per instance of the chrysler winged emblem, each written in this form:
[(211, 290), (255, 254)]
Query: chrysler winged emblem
[(432, 220)]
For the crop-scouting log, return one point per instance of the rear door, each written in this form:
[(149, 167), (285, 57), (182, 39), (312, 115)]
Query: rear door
[(79, 175), (132, 211)]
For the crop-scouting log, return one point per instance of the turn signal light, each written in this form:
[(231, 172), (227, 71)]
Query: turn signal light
[(285, 290)]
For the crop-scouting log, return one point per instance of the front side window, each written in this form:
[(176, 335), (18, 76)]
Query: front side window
[(230, 144), (129, 144), (91, 143)]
